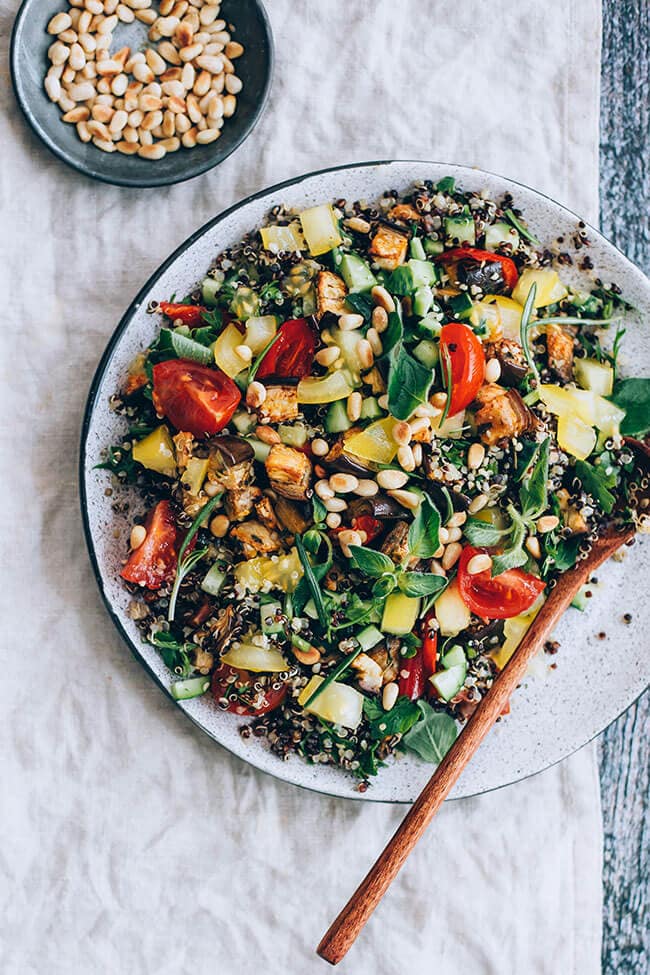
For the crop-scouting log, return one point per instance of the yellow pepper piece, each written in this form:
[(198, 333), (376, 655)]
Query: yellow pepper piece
[(195, 474), (224, 351), (375, 443), (156, 452), (549, 287), (280, 571), (514, 630), (320, 228)]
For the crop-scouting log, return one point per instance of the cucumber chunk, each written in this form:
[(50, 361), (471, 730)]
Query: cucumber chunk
[(449, 682), (416, 249), (594, 375), (427, 352), (213, 580), (336, 418), (356, 273), (423, 273), (184, 690), (422, 301), (370, 409), (500, 233), (461, 305), (369, 637), (268, 614), (400, 614), (453, 657), (460, 230)]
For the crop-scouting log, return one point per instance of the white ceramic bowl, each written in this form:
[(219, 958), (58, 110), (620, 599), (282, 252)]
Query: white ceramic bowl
[(556, 710)]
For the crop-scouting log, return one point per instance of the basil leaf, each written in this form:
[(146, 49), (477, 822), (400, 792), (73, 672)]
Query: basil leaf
[(384, 586), (525, 457), (483, 535), (424, 532), (420, 583), (409, 383), (533, 492), (383, 724), (512, 558), (633, 396), (433, 735), (596, 483), (319, 511), (392, 337), (361, 303), (186, 348), (372, 563)]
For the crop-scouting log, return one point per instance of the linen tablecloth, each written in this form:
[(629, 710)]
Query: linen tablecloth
[(130, 843)]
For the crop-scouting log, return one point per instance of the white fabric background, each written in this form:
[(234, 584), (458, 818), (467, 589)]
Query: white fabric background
[(129, 842)]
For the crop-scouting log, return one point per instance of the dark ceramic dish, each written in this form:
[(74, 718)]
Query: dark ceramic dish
[(29, 63)]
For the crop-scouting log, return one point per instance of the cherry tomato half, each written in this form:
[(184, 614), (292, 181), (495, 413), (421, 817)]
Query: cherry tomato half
[(371, 526), (508, 266), (292, 354), (227, 680), (154, 562), (197, 399), (190, 315), (499, 598), (467, 364)]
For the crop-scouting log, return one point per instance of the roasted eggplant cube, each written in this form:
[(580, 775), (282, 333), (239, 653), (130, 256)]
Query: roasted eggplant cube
[(255, 539), (331, 291), (281, 404), (389, 247), (289, 471), (487, 276), (559, 349)]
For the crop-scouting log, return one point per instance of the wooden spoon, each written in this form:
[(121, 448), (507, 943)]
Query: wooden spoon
[(347, 926)]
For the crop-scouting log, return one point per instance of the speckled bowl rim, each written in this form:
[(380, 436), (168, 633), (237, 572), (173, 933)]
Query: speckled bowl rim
[(272, 191), (209, 161)]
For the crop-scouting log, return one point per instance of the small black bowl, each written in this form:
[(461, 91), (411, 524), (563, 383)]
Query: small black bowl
[(29, 63)]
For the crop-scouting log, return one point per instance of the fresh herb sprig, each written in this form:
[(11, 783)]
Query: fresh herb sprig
[(185, 564), (520, 227), (524, 328)]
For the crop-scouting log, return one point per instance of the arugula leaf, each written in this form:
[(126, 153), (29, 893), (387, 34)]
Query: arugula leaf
[(214, 318), (361, 303), (175, 655), (372, 563), (186, 348), (533, 492), (311, 578), (384, 724), (561, 553), (512, 558), (392, 337), (409, 382), (433, 735), (633, 396), (424, 531), (420, 583), (525, 457), (597, 483)]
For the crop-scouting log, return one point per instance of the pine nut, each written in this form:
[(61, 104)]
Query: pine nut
[(475, 456), (327, 357), (202, 83), (102, 113), (372, 335), (145, 138), (233, 84), (59, 23), (492, 371), (532, 544), (126, 148), (183, 124), (477, 503), (167, 50), (419, 425), (143, 73), (479, 563), (147, 17), (547, 523), (366, 488), (451, 555), (443, 536), (332, 519), (99, 130), (207, 136), (335, 504), (82, 131), (343, 483), (391, 480), (408, 499), (379, 319), (405, 458), (457, 520), (365, 353), (346, 538), (88, 43), (65, 104), (77, 59), (256, 394), (157, 64), (153, 152), (267, 435), (138, 535), (105, 145), (439, 400), (319, 447), (347, 323), (353, 406), (307, 657), (53, 88), (382, 298), (454, 534), (188, 77), (244, 352), (149, 103), (436, 569), (229, 105), (119, 85), (219, 526), (189, 137), (165, 26), (58, 53), (389, 695), (78, 114), (357, 224), (210, 63), (69, 37), (126, 15), (234, 49), (323, 490), (401, 433)]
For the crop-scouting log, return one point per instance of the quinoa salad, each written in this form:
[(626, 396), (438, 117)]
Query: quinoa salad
[(356, 459)]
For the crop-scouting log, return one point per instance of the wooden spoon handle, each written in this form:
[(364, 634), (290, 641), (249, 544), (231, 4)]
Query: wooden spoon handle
[(349, 923)]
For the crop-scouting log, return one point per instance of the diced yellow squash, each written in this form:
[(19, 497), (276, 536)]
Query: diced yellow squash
[(224, 351), (592, 409), (195, 474), (283, 239), (608, 416), (375, 443), (259, 660), (348, 343), (575, 436), (509, 315), (549, 287), (451, 612), (156, 452), (339, 703), (484, 311), (400, 614), (259, 332), (334, 386), (594, 375), (321, 229), (514, 630), (279, 571)]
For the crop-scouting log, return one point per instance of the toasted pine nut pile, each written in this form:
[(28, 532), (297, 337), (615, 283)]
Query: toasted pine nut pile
[(177, 92)]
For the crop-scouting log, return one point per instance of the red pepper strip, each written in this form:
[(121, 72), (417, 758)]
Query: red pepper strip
[(508, 266), (190, 315), (422, 666)]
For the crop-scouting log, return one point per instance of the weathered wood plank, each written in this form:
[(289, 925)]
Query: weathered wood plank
[(625, 746)]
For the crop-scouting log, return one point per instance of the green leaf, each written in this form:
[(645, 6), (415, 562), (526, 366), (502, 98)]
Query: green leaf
[(512, 558), (319, 511), (596, 483), (312, 582), (384, 585), (392, 337), (522, 228), (525, 457), (370, 562), (409, 383), (214, 318), (432, 736), (524, 327), (175, 655), (633, 396), (420, 583), (361, 303), (384, 724), (533, 492), (186, 348), (338, 671), (483, 535), (424, 532)]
